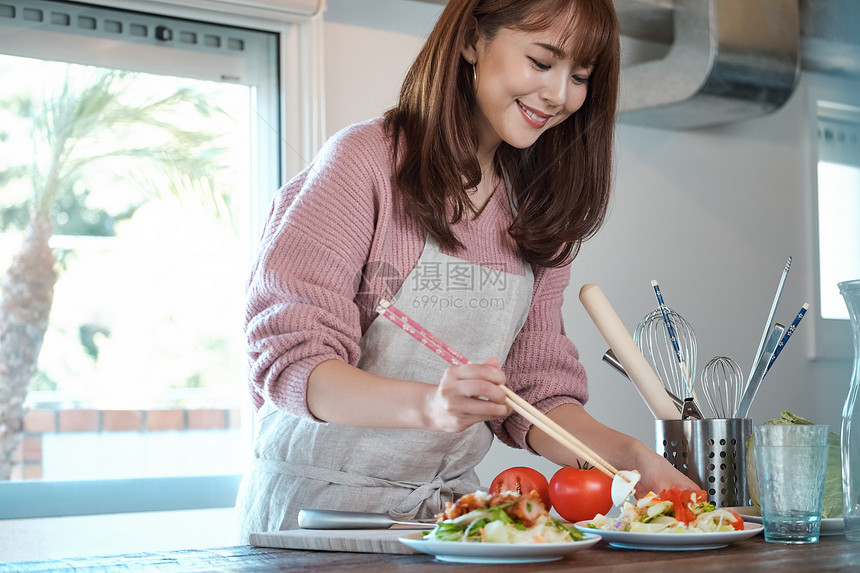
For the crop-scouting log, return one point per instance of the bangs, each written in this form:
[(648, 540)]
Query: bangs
[(590, 28)]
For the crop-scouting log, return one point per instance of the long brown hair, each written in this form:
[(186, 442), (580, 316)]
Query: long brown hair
[(561, 184)]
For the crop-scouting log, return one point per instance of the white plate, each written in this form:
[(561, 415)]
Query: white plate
[(671, 541), (459, 552), (829, 525)]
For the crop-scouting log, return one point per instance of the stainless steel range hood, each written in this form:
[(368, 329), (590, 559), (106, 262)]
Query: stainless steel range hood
[(829, 30), (728, 60)]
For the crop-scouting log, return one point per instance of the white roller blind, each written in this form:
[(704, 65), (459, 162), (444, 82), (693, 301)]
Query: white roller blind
[(134, 40), (258, 14), (306, 7)]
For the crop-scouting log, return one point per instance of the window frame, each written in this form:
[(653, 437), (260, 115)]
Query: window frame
[(832, 339), (299, 135)]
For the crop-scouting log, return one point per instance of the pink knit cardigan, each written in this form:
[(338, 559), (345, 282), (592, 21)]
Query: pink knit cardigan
[(337, 239)]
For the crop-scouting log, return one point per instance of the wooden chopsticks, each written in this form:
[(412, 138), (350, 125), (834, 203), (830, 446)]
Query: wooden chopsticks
[(526, 410), (556, 432)]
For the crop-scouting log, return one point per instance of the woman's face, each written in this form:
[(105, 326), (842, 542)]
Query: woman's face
[(526, 86)]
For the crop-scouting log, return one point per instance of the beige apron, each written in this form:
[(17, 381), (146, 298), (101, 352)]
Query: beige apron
[(300, 463)]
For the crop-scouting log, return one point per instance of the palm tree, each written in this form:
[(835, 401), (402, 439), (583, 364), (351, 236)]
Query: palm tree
[(81, 128)]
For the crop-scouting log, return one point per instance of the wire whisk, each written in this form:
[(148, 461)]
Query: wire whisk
[(652, 338), (723, 386)]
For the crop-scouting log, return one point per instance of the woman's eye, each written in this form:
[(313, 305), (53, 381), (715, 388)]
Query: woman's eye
[(539, 65), (580, 80)]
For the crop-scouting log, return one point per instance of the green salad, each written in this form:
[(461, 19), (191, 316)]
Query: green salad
[(507, 517), (671, 511)]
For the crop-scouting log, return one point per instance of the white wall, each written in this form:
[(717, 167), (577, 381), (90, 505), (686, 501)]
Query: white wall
[(712, 214), (369, 46)]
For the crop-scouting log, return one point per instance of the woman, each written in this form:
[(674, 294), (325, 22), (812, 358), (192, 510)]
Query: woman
[(464, 205)]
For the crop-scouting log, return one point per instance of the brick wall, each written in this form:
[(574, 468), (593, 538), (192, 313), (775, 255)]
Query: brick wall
[(28, 458)]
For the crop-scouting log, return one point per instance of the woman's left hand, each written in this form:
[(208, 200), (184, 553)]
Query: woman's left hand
[(619, 449), (659, 474)]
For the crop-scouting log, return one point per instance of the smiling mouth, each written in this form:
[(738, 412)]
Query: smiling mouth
[(534, 118)]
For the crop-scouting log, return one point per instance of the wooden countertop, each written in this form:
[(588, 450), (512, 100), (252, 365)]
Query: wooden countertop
[(831, 553)]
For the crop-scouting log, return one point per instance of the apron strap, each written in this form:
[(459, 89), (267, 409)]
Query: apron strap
[(434, 493), (325, 474)]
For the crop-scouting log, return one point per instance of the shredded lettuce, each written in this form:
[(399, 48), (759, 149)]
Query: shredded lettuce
[(493, 525)]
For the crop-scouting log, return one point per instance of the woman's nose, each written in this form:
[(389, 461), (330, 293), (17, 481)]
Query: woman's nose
[(554, 90)]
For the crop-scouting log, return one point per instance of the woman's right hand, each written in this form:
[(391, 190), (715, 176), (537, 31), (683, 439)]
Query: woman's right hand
[(467, 394)]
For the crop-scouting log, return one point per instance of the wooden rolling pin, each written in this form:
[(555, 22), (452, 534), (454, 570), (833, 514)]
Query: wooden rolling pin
[(627, 353)]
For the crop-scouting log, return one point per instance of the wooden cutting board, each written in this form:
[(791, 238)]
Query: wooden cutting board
[(351, 540)]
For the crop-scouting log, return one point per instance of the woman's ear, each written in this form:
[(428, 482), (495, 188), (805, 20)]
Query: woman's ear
[(469, 49)]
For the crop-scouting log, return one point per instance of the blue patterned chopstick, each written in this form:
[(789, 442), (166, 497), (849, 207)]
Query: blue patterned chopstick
[(671, 330), (788, 334)]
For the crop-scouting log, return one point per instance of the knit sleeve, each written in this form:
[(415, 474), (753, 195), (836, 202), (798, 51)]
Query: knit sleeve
[(543, 364), (300, 299)]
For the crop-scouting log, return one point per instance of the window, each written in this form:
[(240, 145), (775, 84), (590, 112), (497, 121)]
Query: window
[(837, 209), (838, 202), (154, 143)]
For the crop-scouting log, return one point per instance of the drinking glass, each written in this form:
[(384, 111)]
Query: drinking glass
[(791, 462)]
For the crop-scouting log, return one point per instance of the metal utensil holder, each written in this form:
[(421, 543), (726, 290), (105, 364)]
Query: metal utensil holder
[(711, 452)]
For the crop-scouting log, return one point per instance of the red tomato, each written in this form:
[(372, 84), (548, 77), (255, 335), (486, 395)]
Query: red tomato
[(682, 500), (578, 494), (738, 523), (522, 480)]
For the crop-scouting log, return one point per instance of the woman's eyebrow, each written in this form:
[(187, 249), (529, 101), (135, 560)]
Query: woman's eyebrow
[(561, 54), (555, 50)]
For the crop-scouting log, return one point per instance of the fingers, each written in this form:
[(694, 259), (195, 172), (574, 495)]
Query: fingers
[(470, 393), (482, 381), (474, 396), (660, 474), (489, 370)]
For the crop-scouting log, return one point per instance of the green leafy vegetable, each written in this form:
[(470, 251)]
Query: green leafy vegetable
[(574, 533), (493, 520)]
